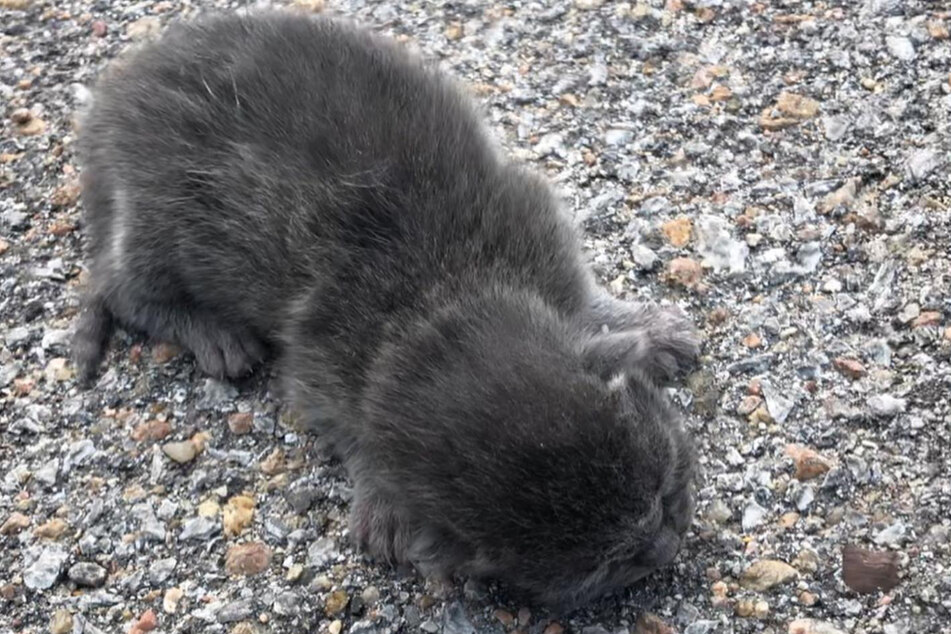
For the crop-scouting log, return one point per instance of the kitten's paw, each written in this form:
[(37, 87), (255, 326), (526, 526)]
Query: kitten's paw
[(661, 343), (225, 354), (670, 347)]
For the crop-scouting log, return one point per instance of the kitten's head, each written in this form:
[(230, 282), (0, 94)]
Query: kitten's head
[(516, 460)]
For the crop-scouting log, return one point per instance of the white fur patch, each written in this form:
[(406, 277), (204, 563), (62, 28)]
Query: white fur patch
[(618, 382), (121, 212), (82, 95)]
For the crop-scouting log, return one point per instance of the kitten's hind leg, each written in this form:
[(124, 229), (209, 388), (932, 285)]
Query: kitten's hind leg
[(657, 340), (91, 336)]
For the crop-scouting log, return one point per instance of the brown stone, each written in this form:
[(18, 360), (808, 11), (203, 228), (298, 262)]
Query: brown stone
[(677, 231), (648, 623), (65, 195), (21, 116), (844, 197), (752, 340), (151, 430), (797, 106), (718, 316), (62, 622), (791, 108), (792, 18), (702, 78), (454, 31), (238, 514), (767, 573), (927, 318), (850, 368), (62, 226), (524, 616), (809, 464), (748, 405), (761, 415), (719, 589), (26, 123), (569, 99), (868, 571), (684, 272), (811, 626), (147, 622), (200, 440), (506, 618), (163, 352), (720, 93), (273, 463), (937, 30), (744, 608), (14, 524), (23, 385), (240, 423), (336, 602), (171, 600), (53, 529), (247, 559)]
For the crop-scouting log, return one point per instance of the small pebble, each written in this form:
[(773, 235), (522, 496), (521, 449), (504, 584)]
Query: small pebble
[(900, 47), (87, 574), (336, 602), (171, 600), (62, 622), (181, 452), (240, 423)]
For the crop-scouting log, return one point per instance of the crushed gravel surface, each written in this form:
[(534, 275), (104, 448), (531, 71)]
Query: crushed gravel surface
[(778, 168)]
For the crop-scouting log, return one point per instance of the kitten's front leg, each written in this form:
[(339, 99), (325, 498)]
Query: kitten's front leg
[(657, 340), (378, 526)]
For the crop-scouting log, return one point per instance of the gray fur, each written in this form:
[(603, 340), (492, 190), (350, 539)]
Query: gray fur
[(268, 183)]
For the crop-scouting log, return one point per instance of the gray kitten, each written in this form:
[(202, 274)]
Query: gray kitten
[(271, 183)]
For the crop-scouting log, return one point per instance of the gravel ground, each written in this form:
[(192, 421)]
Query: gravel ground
[(777, 168)]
